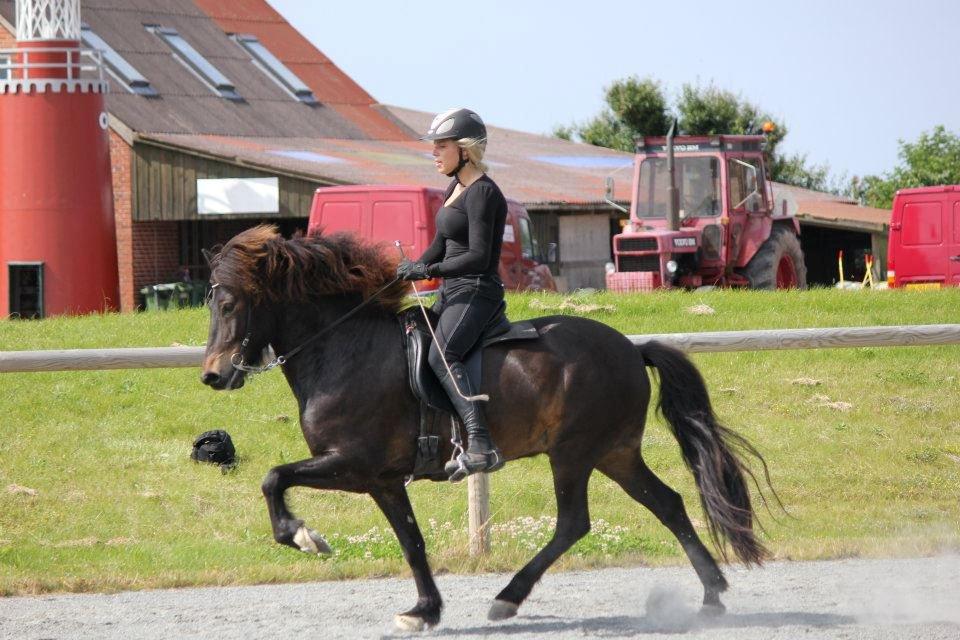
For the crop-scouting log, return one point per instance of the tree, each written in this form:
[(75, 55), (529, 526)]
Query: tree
[(636, 107), (794, 170), (933, 159), (710, 110)]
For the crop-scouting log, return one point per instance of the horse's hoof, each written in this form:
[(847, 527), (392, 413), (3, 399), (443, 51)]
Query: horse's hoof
[(311, 542), (712, 610), (408, 622), (501, 610)]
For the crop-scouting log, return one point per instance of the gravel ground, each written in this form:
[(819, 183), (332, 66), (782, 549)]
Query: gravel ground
[(850, 599)]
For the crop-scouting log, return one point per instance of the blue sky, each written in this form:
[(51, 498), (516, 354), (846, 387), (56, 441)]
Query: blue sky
[(848, 78)]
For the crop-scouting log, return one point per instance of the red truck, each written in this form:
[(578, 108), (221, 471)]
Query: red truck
[(385, 213), (923, 247)]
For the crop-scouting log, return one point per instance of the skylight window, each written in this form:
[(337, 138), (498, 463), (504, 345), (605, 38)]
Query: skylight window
[(200, 65), (120, 68), (279, 71)]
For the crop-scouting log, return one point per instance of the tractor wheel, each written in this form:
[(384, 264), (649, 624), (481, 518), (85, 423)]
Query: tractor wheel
[(778, 264)]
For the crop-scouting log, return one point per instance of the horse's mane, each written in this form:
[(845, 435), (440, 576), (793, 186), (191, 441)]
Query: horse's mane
[(264, 266)]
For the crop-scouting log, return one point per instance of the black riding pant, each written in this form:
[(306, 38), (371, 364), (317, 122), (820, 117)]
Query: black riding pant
[(466, 306)]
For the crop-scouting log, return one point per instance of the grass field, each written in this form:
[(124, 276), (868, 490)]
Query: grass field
[(97, 491)]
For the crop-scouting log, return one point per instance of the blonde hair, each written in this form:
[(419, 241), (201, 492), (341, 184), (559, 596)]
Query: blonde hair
[(475, 149)]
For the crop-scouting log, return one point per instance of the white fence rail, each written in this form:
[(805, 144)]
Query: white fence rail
[(708, 342)]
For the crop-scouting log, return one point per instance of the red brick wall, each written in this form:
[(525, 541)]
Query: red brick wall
[(156, 247), (121, 158), (7, 39)]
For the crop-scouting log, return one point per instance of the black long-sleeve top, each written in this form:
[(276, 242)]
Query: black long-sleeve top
[(469, 232)]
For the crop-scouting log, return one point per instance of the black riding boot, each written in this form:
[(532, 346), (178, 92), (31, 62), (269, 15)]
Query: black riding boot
[(481, 454)]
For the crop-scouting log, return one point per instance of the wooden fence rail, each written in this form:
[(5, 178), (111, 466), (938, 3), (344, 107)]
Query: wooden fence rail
[(708, 342), (478, 485)]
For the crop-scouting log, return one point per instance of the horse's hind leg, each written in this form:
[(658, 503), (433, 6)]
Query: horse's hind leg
[(570, 481), (628, 469), (395, 504)]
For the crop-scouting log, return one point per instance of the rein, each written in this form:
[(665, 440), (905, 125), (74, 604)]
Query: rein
[(237, 358)]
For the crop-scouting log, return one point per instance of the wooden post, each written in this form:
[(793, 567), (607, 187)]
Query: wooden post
[(478, 506)]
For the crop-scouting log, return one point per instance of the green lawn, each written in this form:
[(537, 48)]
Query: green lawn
[(97, 491)]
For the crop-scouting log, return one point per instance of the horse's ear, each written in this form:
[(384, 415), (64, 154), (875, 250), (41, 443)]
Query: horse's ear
[(209, 256)]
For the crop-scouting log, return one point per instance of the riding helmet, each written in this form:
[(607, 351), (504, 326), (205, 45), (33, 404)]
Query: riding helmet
[(457, 124)]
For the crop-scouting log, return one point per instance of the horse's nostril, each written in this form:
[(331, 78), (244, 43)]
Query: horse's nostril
[(210, 378)]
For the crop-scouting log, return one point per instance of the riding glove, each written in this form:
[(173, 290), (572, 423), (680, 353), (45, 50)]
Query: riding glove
[(409, 270)]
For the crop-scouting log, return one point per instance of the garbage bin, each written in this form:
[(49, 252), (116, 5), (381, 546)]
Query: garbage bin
[(180, 295), (157, 296), (150, 301), (198, 293)]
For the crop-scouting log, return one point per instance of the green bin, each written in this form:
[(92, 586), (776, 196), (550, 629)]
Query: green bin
[(150, 301), (180, 295), (198, 293), (158, 296)]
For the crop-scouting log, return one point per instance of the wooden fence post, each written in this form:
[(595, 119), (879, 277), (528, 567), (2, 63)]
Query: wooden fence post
[(478, 507)]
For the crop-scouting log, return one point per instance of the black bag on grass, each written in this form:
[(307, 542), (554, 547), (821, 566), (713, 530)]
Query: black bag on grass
[(214, 446)]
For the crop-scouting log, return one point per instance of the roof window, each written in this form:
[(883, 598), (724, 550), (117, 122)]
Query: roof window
[(276, 69), (197, 63), (122, 70)]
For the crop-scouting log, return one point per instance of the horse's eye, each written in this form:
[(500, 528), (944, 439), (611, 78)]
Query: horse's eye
[(227, 309)]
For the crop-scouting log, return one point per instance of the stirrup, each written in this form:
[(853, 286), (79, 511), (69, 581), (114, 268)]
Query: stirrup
[(462, 466)]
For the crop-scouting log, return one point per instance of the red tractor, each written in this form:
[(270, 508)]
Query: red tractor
[(702, 214)]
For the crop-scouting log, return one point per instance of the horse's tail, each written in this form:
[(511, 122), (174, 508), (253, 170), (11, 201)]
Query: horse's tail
[(711, 451)]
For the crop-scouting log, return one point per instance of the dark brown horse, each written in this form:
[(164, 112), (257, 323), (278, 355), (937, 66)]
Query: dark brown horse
[(579, 393)]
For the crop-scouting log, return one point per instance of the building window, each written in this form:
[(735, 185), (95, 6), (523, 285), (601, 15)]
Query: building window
[(4, 67), (185, 53), (122, 70), (26, 289), (276, 69)]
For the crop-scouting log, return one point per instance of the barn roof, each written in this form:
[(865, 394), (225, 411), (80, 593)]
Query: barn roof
[(347, 137), (843, 215), (539, 171), (186, 104)]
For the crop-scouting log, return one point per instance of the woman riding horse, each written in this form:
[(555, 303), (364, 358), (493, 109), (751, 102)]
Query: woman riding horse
[(579, 393), (466, 253)]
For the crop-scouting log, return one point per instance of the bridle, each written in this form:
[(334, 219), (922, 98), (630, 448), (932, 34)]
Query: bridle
[(237, 358)]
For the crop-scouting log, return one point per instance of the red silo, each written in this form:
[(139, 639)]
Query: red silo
[(58, 250)]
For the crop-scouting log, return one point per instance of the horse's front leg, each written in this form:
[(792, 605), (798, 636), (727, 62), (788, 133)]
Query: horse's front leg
[(395, 504), (328, 471)]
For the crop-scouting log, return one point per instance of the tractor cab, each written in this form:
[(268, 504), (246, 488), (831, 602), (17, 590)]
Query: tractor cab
[(701, 210)]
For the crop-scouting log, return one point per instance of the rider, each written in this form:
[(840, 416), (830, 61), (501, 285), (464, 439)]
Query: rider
[(466, 253)]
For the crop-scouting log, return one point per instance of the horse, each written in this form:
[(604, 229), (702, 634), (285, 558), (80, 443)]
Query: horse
[(578, 393)]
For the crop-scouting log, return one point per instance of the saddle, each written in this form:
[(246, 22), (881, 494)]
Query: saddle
[(434, 402)]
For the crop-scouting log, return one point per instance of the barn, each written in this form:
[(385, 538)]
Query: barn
[(221, 116)]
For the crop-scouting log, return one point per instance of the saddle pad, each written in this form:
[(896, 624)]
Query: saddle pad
[(423, 382)]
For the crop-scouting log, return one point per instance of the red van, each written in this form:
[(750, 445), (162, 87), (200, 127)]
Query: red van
[(406, 213), (923, 248)]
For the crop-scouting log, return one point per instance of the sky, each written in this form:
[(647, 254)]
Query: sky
[(848, 78)]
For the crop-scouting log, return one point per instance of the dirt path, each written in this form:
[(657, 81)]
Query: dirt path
[(850, 599)]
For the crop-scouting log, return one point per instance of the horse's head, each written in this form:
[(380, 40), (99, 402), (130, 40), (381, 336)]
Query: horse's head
[(240, 324), (258, 272)]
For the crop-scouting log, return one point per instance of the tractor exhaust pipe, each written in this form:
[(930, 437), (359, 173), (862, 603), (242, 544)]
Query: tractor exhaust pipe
[(673, 194)]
